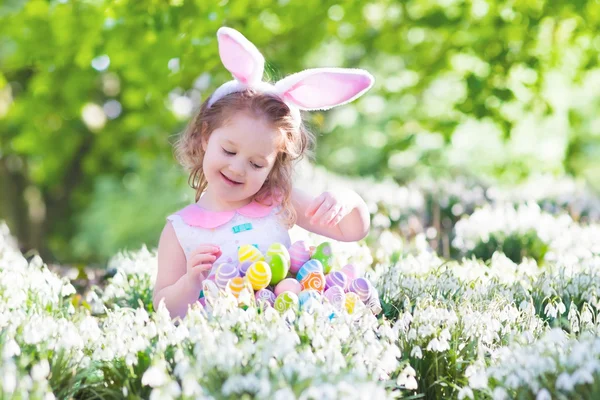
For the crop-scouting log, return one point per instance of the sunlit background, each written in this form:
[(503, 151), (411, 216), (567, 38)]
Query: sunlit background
[(92, 94)]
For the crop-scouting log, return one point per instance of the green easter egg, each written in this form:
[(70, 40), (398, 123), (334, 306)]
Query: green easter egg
[(279, 267), (286, 301), (324, 254), (278, 248)]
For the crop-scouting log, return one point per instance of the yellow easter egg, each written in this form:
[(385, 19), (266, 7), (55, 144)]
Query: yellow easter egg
[(259, 275), (250, 253), (235, 285), (351, 300)]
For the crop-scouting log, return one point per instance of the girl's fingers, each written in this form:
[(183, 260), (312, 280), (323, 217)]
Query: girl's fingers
[(320, 212), (330, 215), (316, 203)]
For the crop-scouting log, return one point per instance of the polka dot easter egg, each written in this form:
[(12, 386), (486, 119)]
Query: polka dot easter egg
[(314, 281), (286, 301), (324, 254), (259, 275), (362, 287), (308, 267), (336, 278), (265, 296), (299, 254), (225, 272), (248, 252), (288, 285)]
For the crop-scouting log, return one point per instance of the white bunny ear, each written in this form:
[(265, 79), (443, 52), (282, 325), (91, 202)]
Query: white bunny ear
[(324, 88), (240, 56)]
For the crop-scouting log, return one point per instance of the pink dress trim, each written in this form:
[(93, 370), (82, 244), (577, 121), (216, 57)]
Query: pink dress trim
[(194, 215)]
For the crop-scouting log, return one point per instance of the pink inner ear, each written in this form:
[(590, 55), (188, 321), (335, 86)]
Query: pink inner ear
[(327, 89), (236, 59)]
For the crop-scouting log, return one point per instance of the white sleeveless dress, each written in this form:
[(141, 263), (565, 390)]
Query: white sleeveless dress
[(253, 224)]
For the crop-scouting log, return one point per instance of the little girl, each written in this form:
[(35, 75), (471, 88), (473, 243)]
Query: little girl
[(239, 150)]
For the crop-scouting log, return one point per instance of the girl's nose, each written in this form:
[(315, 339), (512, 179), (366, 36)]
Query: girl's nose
[(237, 168)]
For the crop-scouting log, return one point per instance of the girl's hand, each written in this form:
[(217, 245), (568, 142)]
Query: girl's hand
[(201, 261), (329, 208)]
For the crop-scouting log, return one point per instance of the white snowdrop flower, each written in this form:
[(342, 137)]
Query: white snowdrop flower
[(40, 370), (11, 349), (465, 392), (543, 394), (416, 352), (155, 376), (499, 394), (564, 382)]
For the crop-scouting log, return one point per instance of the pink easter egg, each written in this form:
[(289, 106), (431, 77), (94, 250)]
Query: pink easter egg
[(225, 272), (288, 285), (299, 254), (265, 296), (336, 296), (362, 287), (336, 278), (351, 272)]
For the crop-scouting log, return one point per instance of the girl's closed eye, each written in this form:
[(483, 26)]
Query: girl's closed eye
[(229, 153), (256, 166)]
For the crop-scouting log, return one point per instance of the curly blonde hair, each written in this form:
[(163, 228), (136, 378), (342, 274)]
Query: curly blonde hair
[(297, 142)]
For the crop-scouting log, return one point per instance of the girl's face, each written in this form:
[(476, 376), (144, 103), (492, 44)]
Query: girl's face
[(239, 156)]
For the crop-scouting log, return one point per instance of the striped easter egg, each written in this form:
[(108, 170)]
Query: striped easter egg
[(259, 275), (362, 287), (278, 248), (225, 272), (336, 278), (308, 267), (336, 296), (265, 296), (248, 252), (243, 267), (299, 254), (314, 281), (373, 302), (236, 285)]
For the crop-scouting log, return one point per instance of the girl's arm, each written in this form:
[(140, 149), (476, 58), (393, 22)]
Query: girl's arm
[(341, 214), (172, 282)]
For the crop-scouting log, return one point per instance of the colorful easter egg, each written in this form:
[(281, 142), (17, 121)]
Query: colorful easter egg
[(362, 287), (225, 272), (336, 278), (350, 271), (243, 267), (324, 254), (373, 302), (336, 296), (314, 281), (259, 275), (299, 254), (236, 285), (288, 285), (306, 297), (279, 267), (265, 296), (248, 252), (286, 301), (278, 248), (308, 267), (352, 300)]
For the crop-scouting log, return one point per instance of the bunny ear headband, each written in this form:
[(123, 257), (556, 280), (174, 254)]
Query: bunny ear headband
[(311, 89)]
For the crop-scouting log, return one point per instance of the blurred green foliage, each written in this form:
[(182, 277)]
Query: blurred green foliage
[(91, 94)]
